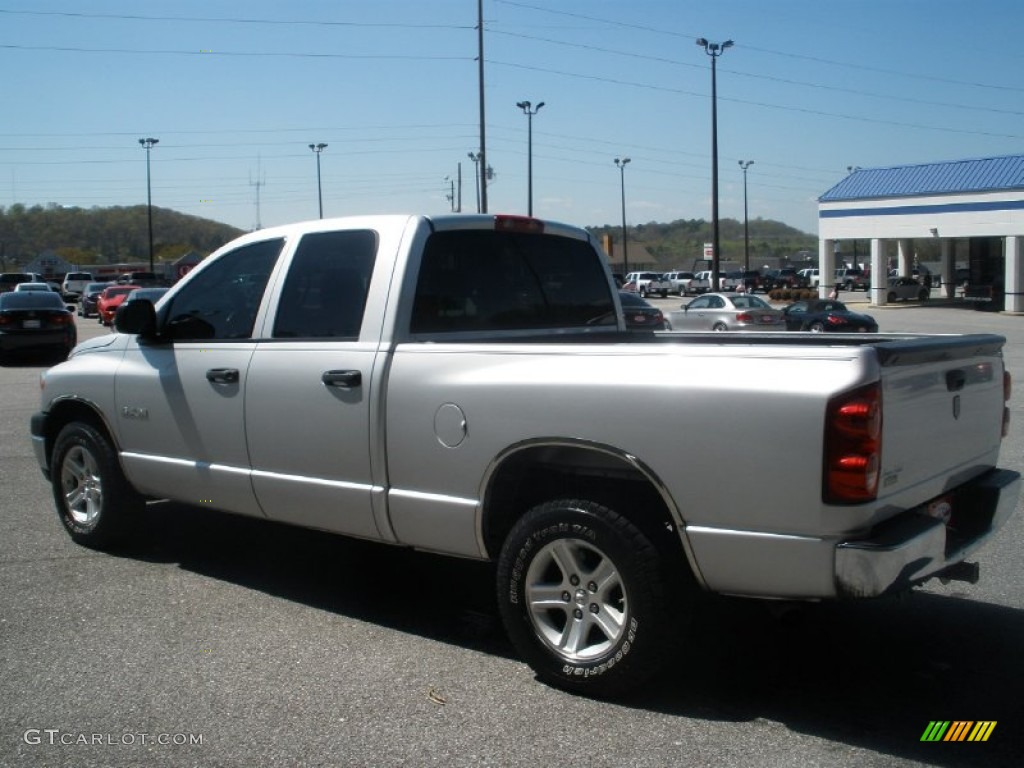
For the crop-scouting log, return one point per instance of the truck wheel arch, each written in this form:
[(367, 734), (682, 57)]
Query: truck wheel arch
[(528, 474), (65, 411)]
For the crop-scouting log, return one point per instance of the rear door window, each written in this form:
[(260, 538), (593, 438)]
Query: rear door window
[(482, 280)]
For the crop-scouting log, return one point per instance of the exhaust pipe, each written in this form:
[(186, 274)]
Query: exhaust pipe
[(962, 571)]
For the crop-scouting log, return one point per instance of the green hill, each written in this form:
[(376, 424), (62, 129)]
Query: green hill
[(680, 242), (105, 235)]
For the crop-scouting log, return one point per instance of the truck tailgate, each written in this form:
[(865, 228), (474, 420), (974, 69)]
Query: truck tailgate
[(943, 405)]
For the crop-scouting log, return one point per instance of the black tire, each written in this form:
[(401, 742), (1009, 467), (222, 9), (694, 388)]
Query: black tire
[(719, 327), (95, 503), (643, 293), (816, 327), (582, 594), (891, 298), (924, 295)]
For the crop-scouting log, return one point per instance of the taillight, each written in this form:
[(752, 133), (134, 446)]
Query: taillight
[(1007, 391), (508, 223), (744, 317), (835, 320), (853, 446), (5, 320)]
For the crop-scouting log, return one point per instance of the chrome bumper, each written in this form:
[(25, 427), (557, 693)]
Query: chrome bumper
[(914, 547)]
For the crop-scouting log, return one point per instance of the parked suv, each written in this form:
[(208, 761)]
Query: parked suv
[(8, 280), (852, 279)]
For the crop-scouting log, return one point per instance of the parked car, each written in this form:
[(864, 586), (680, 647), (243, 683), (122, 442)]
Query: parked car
[(810, 277), (9, 280), (140, 279), (36, 320), (74, 284), (90, 294), (112, 298), (727, 312), (852, 279), (42, 287), (906, 289), (679, 282), (701, 282), (787, 277), (646, 283), (749, 279), (819, 315), (149, 294), (640, 315)]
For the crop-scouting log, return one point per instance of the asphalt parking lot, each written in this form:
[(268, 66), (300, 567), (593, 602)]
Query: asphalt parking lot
[(220, 641)]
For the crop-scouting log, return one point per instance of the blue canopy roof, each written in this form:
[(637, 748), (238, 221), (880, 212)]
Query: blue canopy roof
[(990, 174)]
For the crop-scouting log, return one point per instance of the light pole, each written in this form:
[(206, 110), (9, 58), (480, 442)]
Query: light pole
[(317, 149), (475, 157), (149, 144), (714, 50), (744, 164), (526, 107), (621, 163)]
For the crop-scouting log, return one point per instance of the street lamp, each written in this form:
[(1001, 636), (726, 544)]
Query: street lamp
[(317, 149), (621, 163), (714, 50), (149, 144), (525, 106), (475, 157), (744, 164)]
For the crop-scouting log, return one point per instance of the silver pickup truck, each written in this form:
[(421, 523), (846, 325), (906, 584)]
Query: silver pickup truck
[(455, 384)]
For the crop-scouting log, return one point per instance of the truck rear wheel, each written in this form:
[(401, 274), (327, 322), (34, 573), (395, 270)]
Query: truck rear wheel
[(583, 597), (94, 501)]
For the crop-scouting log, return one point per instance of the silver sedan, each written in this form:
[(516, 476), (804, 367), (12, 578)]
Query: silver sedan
[(727, 312)]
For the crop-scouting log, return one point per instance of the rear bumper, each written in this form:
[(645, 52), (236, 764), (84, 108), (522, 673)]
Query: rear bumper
[(914, 546)]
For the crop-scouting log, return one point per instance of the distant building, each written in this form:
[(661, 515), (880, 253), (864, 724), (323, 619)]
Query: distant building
[(975, 208), (50, 265)]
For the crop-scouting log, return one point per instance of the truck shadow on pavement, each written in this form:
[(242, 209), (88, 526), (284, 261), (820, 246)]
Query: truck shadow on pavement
[(871, 675)]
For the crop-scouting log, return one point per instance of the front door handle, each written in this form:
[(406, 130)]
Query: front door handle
[(342, 379), (222, 375)]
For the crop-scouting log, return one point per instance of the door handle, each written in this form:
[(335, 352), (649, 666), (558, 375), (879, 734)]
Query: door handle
[(342, 379), (222, 375)]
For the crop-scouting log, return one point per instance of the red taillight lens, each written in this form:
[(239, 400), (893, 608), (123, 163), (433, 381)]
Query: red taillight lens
[(744, 317), (506, 223), (835, 320), (62, 319), (853, 446), (5, 320)]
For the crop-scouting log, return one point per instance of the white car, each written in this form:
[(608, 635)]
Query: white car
[(906, 289), (32, 287)]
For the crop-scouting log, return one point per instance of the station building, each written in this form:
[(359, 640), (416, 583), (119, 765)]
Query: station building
[(973, 208)]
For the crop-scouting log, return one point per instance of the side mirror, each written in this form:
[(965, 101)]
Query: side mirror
[(137, 317)]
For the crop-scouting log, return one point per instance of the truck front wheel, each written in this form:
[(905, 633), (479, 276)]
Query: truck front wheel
[(583, 597), (94, 501)]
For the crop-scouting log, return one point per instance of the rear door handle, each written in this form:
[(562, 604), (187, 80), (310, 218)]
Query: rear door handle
[(222, 375), (342, 379)]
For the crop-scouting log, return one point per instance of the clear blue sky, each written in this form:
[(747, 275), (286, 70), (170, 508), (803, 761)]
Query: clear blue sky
[(236, 91)]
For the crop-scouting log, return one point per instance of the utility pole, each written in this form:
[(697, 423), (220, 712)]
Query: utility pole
[(483, 130), (148, 144)]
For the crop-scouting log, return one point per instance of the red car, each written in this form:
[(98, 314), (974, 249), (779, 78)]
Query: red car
[(112, 298)]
